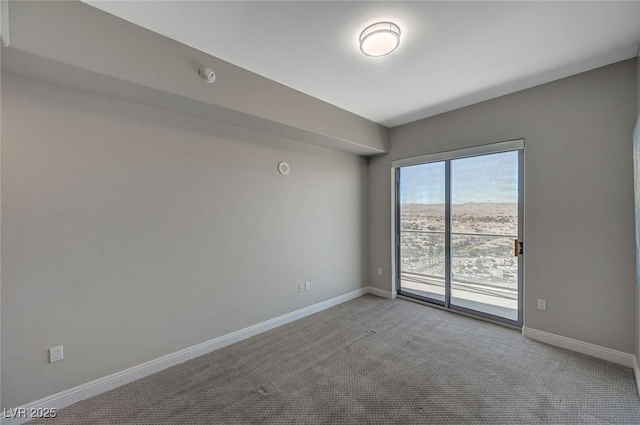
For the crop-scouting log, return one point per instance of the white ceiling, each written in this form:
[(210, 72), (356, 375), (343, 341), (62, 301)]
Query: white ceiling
[(452, 54)]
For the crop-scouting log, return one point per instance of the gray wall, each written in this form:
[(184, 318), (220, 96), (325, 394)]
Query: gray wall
[(579, 196), (129, 233)]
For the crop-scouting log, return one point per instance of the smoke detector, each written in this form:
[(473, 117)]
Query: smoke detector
[(207, 75)]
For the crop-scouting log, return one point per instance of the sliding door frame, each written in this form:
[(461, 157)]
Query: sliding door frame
[(447, 157)]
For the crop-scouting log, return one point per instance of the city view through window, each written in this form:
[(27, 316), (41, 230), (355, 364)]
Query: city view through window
[(484, 225)]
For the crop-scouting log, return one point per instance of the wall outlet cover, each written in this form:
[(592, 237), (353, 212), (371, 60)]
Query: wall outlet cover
[(56, 354), (542, 304)]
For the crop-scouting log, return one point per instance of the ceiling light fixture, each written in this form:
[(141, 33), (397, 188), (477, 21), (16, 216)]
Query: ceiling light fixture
[(380, 39)]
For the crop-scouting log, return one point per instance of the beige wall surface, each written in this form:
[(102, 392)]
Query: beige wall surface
[(579, 223), (129, 233)]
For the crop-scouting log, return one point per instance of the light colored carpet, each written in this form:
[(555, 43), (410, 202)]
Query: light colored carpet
[(375, 361)]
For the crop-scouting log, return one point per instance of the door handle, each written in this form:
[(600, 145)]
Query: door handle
[(518, 247)]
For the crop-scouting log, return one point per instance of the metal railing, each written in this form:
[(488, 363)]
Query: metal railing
[(462, 284)]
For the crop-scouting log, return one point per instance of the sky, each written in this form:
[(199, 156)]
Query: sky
[(486, 178)]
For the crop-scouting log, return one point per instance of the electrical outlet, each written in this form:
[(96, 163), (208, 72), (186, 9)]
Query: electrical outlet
[(542, 304), (307, 286), (55, 354), (379, 272), (300, 287)]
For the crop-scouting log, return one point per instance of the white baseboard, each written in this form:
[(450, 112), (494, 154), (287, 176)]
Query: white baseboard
[(382, 293), (636, 372), (604, 353), (81, 392)]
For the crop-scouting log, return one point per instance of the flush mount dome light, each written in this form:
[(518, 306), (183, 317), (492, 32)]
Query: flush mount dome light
[(380, 39)]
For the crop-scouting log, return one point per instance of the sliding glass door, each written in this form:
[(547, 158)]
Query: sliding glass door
[(459, 233)]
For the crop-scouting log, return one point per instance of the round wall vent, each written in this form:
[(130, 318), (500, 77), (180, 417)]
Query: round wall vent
[(284, 168)]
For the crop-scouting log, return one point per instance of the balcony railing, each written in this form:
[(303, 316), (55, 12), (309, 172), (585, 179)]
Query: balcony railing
[(419, 281)]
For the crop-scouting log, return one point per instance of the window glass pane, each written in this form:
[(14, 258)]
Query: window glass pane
[(484, 194), (422, 197), (422, 225), (484, 224)]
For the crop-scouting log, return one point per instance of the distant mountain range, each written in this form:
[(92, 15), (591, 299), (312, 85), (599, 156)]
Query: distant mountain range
[(485, 207)]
